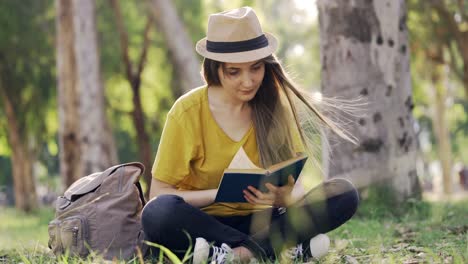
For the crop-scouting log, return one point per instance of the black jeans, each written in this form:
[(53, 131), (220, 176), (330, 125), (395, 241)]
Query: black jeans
[(168, 219)]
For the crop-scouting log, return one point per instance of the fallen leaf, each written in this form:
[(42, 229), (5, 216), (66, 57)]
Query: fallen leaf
[(341, 244), (413, 261), (458, 230), (350, 260), (415, 249), (448, 259), (398, 247), (422, 255)]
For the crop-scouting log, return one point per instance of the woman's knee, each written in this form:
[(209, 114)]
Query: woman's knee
[(348, 197), (351, 199), (159, 211), (339, 186), (344, 196)]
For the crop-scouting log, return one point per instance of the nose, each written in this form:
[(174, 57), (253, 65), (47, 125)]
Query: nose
[(247, 80)]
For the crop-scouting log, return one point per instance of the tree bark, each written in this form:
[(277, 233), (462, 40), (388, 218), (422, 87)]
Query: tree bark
[(364, 52), (23, 180), (134, 78), (67, 95), (181, 48), (97, 142)]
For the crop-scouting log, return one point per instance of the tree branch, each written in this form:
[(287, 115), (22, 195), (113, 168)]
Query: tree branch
[(146, 42), (461, 37), (453, 62), (461, 6), (452, 25), (441, 9), (123, 39)]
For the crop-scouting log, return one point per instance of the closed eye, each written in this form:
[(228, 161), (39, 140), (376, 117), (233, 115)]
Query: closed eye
[(233, 73)]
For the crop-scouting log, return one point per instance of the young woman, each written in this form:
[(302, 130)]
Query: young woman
[(249, 106)]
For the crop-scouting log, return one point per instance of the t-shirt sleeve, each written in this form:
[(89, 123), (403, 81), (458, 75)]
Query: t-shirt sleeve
[(176, 150)]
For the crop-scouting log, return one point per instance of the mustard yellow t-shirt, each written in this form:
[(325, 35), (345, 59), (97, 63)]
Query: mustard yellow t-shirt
[(194, 151)]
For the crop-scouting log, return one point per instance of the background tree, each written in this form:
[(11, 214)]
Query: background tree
[(364, 53), (450, 26), (25, 90), (438, 69), (179, 44), (67, 94), (134, 78), (27, 62), (98, 150)]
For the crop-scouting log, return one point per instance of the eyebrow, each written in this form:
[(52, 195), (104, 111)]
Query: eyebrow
[(236, 68)]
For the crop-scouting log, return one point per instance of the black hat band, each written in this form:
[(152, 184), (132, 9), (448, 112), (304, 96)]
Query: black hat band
[(237, 46)]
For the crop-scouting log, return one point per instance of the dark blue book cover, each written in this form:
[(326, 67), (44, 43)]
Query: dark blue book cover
[(234, 181)]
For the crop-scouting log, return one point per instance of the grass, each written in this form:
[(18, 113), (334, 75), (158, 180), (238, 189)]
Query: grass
[(430, 233), (427, 233)]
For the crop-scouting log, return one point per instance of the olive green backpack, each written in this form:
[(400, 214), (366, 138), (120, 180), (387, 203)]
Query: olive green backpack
[(101, 213)]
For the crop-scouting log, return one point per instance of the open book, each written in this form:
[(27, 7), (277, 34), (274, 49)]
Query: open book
[(243, 173)]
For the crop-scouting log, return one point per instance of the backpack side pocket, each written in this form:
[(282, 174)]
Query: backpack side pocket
[(74, 235), (55, 243), (69, 234)]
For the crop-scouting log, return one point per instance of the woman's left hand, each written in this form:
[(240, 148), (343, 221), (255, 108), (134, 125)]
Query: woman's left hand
[(276, 196)]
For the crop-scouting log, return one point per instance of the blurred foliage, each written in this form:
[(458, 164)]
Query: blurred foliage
[(27, 66), (298, 36), (428, 34)]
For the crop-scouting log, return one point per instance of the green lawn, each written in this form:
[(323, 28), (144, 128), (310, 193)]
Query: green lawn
[(431, 233), (428, 233)]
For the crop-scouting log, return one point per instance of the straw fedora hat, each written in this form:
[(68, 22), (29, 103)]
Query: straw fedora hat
[(236, 36)]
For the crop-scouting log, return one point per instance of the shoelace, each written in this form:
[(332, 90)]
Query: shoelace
[(295, 252), (220, 253)]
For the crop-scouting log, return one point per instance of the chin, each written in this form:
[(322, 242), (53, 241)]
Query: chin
[(247, 98)]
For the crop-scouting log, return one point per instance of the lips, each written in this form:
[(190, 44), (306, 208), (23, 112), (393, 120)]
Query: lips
[(247, 91)]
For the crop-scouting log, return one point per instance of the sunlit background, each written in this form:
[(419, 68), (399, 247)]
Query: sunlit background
[(29, 115), (295, 23)]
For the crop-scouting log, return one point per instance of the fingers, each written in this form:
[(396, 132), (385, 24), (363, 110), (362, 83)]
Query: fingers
[(255, 196), (272, 188), (291, 181), (257, 192), (275, 196)]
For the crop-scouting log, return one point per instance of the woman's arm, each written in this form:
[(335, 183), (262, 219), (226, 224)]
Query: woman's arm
[(200, 198)]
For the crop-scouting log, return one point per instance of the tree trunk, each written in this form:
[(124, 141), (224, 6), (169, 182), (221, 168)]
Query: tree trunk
[(134, 78), (364, 52), (23, 180), (97, 142), (181, 48), (67, 95), (441, 127)]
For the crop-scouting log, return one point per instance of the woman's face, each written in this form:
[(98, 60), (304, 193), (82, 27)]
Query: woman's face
[(241, 81)]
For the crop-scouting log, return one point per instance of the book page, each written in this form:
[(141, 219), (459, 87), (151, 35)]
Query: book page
[(242, 161), (286, 163)]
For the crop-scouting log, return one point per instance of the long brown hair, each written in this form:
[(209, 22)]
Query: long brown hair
[(280, 113)]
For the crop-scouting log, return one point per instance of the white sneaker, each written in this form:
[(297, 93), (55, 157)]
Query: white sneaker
[(318, 247), (218, 255)]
